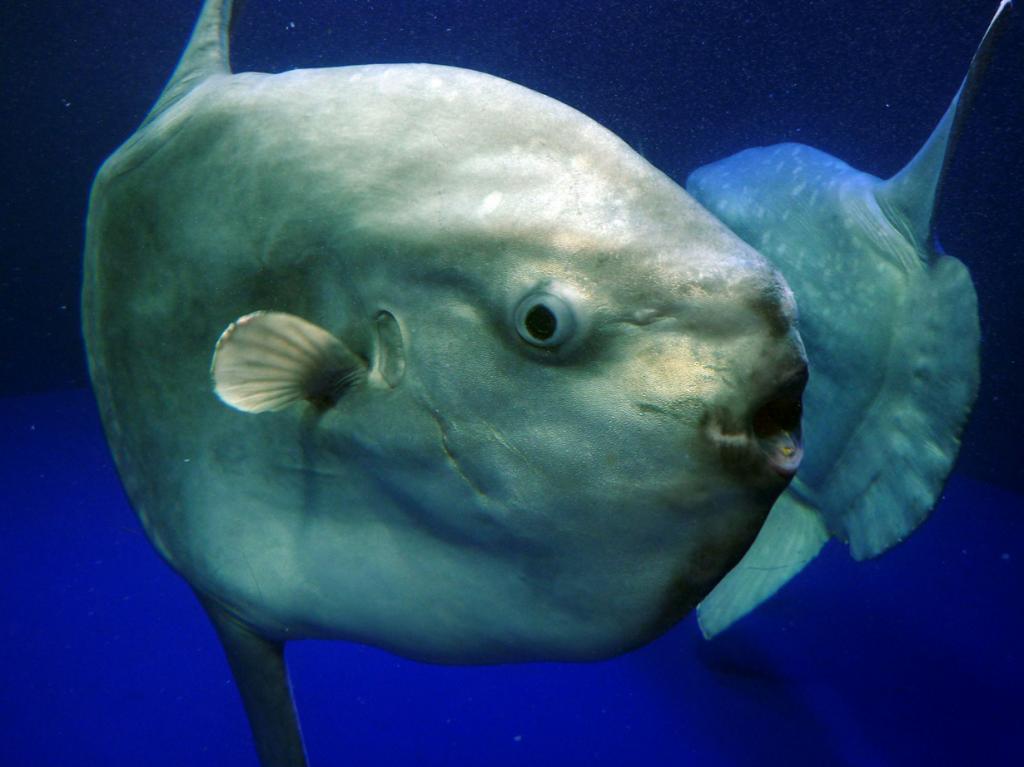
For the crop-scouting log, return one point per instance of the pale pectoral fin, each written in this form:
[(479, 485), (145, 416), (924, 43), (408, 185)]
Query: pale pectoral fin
[(269, 360), (791, 537)]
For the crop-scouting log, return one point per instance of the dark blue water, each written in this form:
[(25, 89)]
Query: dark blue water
[(911, 659)]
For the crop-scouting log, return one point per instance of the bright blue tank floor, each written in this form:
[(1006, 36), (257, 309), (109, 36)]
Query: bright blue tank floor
[(914, 659)]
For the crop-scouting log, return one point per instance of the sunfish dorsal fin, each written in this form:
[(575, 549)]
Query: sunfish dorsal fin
[(911, 197), (267, 361), (206, 54)]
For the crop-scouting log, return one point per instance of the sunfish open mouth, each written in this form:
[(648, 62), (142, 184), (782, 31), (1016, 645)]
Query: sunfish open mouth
[(768, 434), (776, 426)]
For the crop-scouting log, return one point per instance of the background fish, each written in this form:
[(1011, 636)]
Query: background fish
[(891, 324)]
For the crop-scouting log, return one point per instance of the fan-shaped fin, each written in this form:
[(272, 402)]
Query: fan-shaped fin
[(269, 360)]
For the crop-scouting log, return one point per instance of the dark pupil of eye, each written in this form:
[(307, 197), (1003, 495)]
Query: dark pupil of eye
[(540, 322)]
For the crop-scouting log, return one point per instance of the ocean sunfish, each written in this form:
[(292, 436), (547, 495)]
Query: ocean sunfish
[(486, 385), (891, 328)]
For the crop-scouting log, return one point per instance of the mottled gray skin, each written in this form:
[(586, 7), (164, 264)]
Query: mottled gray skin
[(500, 503)]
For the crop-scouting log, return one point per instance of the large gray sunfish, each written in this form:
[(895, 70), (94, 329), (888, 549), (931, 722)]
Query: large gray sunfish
[(487, 386)]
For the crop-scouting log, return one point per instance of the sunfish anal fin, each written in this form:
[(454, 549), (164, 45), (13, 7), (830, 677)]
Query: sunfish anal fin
[(258, 665), (266, 361)]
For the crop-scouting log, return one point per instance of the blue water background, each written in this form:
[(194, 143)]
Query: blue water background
[(911, 659)]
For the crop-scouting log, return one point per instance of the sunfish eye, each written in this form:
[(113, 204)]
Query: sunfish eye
[(544, 319)]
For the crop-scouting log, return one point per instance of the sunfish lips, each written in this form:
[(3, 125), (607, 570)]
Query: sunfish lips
[(776, 426)]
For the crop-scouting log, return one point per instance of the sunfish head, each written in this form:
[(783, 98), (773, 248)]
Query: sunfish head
[(525, 399)]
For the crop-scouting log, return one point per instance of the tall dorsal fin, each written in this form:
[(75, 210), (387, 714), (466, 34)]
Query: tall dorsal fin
[(206, 54), (911, 197)]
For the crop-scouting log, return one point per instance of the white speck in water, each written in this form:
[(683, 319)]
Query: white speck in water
[(290, 25), (518, 738), (1005, 556)]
